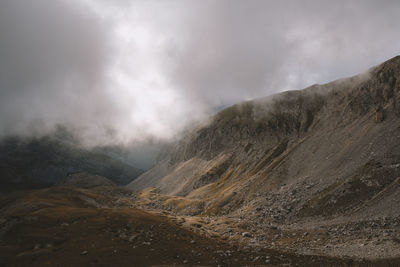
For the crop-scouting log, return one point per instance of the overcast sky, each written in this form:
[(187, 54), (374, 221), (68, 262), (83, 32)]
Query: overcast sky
[(127, 70)]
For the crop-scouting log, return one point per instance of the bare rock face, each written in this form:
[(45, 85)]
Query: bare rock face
[(327, 150), (85, 180)]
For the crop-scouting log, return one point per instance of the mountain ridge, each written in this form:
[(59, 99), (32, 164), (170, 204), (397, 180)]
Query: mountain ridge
[(252, 138)]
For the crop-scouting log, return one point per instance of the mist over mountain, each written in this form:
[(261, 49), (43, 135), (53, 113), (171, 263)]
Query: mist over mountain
[(30, 163), (199, 133)]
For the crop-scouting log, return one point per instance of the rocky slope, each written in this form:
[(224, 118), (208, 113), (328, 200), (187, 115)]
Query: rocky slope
[(325, 155)]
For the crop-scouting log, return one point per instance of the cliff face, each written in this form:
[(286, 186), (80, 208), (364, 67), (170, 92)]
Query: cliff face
[(325, 150)]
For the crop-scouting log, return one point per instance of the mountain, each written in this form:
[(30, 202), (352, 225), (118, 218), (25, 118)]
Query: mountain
[(40, 162), (327, 153), (312, 171)]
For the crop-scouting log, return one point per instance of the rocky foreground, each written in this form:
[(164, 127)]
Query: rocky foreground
[(344, 237), (104, 226)]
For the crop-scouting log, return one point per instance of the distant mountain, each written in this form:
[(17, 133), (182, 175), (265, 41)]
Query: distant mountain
[(40, 162), (327, 150)]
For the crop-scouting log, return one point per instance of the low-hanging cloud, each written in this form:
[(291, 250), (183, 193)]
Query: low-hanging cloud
[(116, 71)]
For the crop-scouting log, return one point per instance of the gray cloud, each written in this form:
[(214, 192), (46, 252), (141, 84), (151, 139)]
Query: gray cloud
[(128, 70), (253, 48), (53, 57)]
